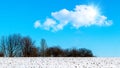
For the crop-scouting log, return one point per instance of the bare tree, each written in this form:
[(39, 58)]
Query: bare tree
[(34, 52), (54, 52), (28, 48), (43, 47), (13, 43), (3, 46), (73, 53), (85, 53), (67, 52), (17, 46)]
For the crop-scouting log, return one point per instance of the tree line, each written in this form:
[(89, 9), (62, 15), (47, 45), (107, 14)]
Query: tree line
[(16, 45)]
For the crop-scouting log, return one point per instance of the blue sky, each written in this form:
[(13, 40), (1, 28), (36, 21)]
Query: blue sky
[(63, 23)]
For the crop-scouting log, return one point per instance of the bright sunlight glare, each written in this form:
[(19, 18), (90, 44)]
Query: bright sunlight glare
[(92, 12)]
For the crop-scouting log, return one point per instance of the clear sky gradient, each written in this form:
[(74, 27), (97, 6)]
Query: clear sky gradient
[(19, 16)]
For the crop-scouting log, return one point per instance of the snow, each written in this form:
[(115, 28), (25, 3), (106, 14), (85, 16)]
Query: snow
[(60, 62)]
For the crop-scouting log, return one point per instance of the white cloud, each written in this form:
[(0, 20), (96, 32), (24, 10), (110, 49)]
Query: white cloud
[(82, 15), (37, 24), (49, 23)]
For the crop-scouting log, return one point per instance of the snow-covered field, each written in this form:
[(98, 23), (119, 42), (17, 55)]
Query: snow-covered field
[(60, 62)]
